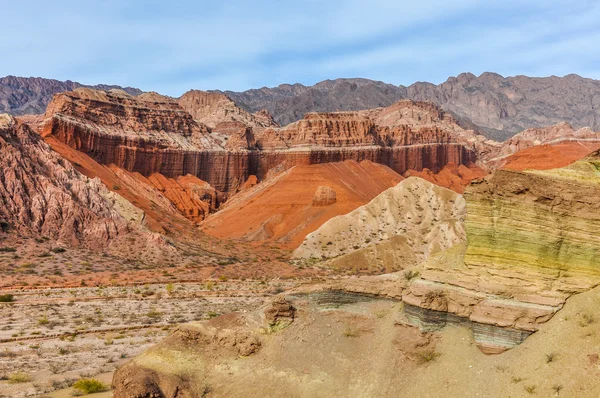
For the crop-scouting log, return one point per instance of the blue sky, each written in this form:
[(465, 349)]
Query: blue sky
[(173, 46)]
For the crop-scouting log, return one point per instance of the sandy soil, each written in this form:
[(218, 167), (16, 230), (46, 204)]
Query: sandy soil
[(58, 335)]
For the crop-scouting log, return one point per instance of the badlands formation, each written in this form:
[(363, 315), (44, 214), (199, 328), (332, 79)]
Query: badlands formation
[(530, 246), (387, 251)]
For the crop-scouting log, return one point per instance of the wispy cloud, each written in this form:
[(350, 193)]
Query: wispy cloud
[(174, 46)]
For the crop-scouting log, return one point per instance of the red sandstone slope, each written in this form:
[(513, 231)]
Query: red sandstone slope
[(544, 157), (452, 176), (285, 208), (165, 202), (533, 147)]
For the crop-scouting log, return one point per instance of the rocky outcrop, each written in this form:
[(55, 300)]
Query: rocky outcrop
[(212, 109), (31, 95), (351, 344), (543, 220), (281, 209), (194, 198), (41, 194), (399, 228), (324, 196)]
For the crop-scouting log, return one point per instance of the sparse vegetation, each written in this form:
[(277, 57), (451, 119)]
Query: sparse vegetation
[(427, 356), (6, 298), (550, 357), (351, 332), (557, 388), (18, 377), (530, 389), (586, 320), (170, 288), (89, 386), (410, 274)]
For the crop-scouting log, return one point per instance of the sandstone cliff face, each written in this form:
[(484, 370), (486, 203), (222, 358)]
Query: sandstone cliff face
[(531, 243), (155, 135), (213, 108), (537, 220), (43, 195)]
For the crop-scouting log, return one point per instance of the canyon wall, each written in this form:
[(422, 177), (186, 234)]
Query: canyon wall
[(156, 135)]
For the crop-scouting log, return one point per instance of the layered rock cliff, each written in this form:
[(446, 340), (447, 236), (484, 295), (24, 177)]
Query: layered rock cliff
[(531, 243), (156, 135)]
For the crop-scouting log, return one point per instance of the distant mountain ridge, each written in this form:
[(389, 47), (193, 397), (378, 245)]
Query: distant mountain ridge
[(496, 106), (499, 106), (31, 95)]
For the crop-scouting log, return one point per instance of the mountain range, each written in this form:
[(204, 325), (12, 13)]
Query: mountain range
[(497, 106)]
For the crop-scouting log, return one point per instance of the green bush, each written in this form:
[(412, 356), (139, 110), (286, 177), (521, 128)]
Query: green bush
[(89, 386), (6, 298)]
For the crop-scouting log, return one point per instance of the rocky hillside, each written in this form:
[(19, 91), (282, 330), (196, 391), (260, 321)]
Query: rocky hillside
[(400, 227), (500, 106), (505, 106), (288, 103), (31, 95)]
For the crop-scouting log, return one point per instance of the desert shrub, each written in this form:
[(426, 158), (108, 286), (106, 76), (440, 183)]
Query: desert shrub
[(550, 357), (89, 386), (427, 356), (557, 388), (586, 319), (170, 288), (351, 332), (58, 250), (410, 274), (530, 389), (6, 298), (18, 377)]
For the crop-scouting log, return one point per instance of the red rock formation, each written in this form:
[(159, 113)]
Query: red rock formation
[(281, 208), (558, 146), (153, 134), (544, 157), (214, 108), (193, 197), (41, 194)]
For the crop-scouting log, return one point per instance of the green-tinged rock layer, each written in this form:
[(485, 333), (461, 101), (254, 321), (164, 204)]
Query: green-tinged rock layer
[(543, 220)]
